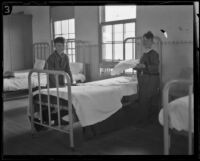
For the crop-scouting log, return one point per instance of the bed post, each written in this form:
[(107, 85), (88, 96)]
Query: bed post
[(30, 110), (166, 114)]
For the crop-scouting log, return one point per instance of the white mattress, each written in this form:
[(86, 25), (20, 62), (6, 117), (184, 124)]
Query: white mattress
[(96, 101), (178, 114)]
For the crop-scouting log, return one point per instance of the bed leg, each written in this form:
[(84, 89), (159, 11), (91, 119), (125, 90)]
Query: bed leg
[(72, 149), (169, 143)]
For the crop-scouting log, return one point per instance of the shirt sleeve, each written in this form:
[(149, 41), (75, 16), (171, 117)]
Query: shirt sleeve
[(153, 66), (67, 68), (49, 64)]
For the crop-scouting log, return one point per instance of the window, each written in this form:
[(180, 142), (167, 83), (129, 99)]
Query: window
[(118, 23), (66, 29)]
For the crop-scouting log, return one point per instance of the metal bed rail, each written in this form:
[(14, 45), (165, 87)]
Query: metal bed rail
[(166, 114), (69, 129), (41, 50)]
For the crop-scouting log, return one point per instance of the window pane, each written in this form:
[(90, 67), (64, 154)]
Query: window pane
[(69, 51), (118, 54), (119, 12), (71, 36), (71, 26), (65, 36), (107, 51), (74, 58), (130, 27), (57, 27), (118, 32), (107, 33), (73, 45), (129, 30), (128, 51), (64, 27)]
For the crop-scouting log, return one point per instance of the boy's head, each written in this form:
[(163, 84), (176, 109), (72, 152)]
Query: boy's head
[(59, 43), (148, 39)]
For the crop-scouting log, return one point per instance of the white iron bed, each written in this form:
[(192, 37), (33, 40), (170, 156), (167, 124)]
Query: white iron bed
[(89, 103), (17, 86), (177, 115)]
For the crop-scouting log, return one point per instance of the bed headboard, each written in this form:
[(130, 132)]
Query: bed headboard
[(41, 50)]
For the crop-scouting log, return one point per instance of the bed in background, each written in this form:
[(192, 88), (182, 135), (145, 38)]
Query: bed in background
[(177, 115), (15, 85)]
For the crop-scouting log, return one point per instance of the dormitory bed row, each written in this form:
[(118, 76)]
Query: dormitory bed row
[(90, 104), (15, 84)]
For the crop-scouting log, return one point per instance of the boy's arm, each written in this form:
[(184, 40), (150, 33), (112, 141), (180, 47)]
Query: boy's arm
[(67, 69), (49, 64)]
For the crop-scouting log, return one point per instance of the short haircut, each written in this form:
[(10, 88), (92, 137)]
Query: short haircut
[(149, 35), (59, 40)]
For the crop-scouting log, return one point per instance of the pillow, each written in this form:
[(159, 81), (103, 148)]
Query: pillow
[(39, 64), (76, 68)]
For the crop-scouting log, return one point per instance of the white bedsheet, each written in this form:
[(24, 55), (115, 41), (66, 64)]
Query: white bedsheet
[(98, 100), (92, 104), (20, 81), (78, 77), (128, 85), (178, 114)]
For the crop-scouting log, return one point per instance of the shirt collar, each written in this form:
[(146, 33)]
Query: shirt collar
[(147, 50)]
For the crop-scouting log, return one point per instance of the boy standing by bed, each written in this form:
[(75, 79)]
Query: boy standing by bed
[(148, 81), (59, 61)]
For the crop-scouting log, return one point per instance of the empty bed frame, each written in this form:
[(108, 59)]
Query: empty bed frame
[(166, 113), (17, 86)]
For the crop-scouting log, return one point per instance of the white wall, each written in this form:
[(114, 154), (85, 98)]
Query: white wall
[(86, 29), (177, 51), (40, 23)]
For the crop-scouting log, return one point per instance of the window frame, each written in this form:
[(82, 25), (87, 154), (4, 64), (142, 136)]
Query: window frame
[(71, 40), (112, 23)]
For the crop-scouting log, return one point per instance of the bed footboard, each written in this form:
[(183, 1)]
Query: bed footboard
[(166, 114), (31, 111)]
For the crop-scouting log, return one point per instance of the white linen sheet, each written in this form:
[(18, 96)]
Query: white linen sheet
[(178, 114), (92, 104), (127, 84), (20, 81), (98, 100), (78, 77)]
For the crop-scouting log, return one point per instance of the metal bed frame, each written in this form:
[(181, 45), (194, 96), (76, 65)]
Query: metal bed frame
[(41, 50), (166, 114), (65, 129)]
